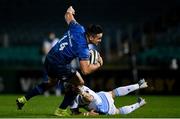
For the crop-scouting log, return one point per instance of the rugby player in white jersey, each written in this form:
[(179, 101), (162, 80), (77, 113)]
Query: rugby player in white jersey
[(103, 102)]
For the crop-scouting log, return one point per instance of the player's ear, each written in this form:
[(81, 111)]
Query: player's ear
[(90, 38)]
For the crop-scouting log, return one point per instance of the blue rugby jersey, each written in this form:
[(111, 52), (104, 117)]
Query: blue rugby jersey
[(73, 44)]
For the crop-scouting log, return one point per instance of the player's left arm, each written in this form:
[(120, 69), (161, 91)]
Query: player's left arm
[(84, 59), (87, 68), (90, 113)]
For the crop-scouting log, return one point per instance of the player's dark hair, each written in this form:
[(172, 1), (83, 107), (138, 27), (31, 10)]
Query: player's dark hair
[(93, 29)]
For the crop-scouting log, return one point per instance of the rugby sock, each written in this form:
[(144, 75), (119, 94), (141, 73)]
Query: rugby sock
[(39, 89), (69, 97), (128, 109), (124, 90)]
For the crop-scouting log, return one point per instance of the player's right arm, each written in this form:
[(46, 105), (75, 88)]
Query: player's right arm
[(69, 15), (85, 66)]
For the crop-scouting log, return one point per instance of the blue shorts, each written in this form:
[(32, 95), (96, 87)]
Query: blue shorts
[(107, 106), (63, 72)]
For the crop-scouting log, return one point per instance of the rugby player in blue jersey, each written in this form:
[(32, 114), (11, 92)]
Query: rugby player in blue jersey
[(73, 44)]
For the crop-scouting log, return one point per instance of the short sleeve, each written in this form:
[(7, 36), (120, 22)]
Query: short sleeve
[(83, 53), (76, 27), (81, 46)]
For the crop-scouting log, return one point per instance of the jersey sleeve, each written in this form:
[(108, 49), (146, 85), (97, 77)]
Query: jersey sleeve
[(76, 27), (83, 53), (77, 31), (82, 49)]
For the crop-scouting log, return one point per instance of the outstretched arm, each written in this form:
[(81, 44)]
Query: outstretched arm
[(69, 15), (90, 113), (76, 111)]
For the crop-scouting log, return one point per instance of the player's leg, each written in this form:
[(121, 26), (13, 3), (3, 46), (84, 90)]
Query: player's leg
[(124, 90), (58, 89), (45, 79), (38, 90), (51, 70), (73, 87), (69, 97), (130, 108), (41, 88)]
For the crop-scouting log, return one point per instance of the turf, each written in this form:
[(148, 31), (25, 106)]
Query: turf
[(40, 107)]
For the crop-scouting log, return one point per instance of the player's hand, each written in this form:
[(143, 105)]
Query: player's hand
[(70, 10), (93, 113)]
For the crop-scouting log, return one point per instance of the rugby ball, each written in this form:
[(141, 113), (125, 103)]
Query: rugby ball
[(93, 56)]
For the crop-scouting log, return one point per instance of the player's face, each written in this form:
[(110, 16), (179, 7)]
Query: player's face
[(87, 97), (96, 39)]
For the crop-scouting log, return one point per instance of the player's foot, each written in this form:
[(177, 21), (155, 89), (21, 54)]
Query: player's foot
[(142, 83), (20, 102), (61, 112), (141, 101)]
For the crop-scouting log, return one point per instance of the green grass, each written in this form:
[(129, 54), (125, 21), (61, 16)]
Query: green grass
[(40, 106)]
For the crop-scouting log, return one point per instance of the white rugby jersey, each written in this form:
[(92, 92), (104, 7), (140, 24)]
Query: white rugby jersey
[(79, 102), (102, 103)]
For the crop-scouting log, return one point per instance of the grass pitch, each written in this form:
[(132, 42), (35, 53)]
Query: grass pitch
[(43, 107)]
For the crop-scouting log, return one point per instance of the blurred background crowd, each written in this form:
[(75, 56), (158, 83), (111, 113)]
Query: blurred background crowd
[(141, 40)]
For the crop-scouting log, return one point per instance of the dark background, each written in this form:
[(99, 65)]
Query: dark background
[(148, 29), (87, 10)]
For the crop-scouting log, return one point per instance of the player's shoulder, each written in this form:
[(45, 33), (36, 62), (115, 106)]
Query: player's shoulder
[(74, 26), (85, 88)]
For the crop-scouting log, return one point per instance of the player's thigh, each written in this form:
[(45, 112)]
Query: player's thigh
[(60, 72), (112, 107)]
